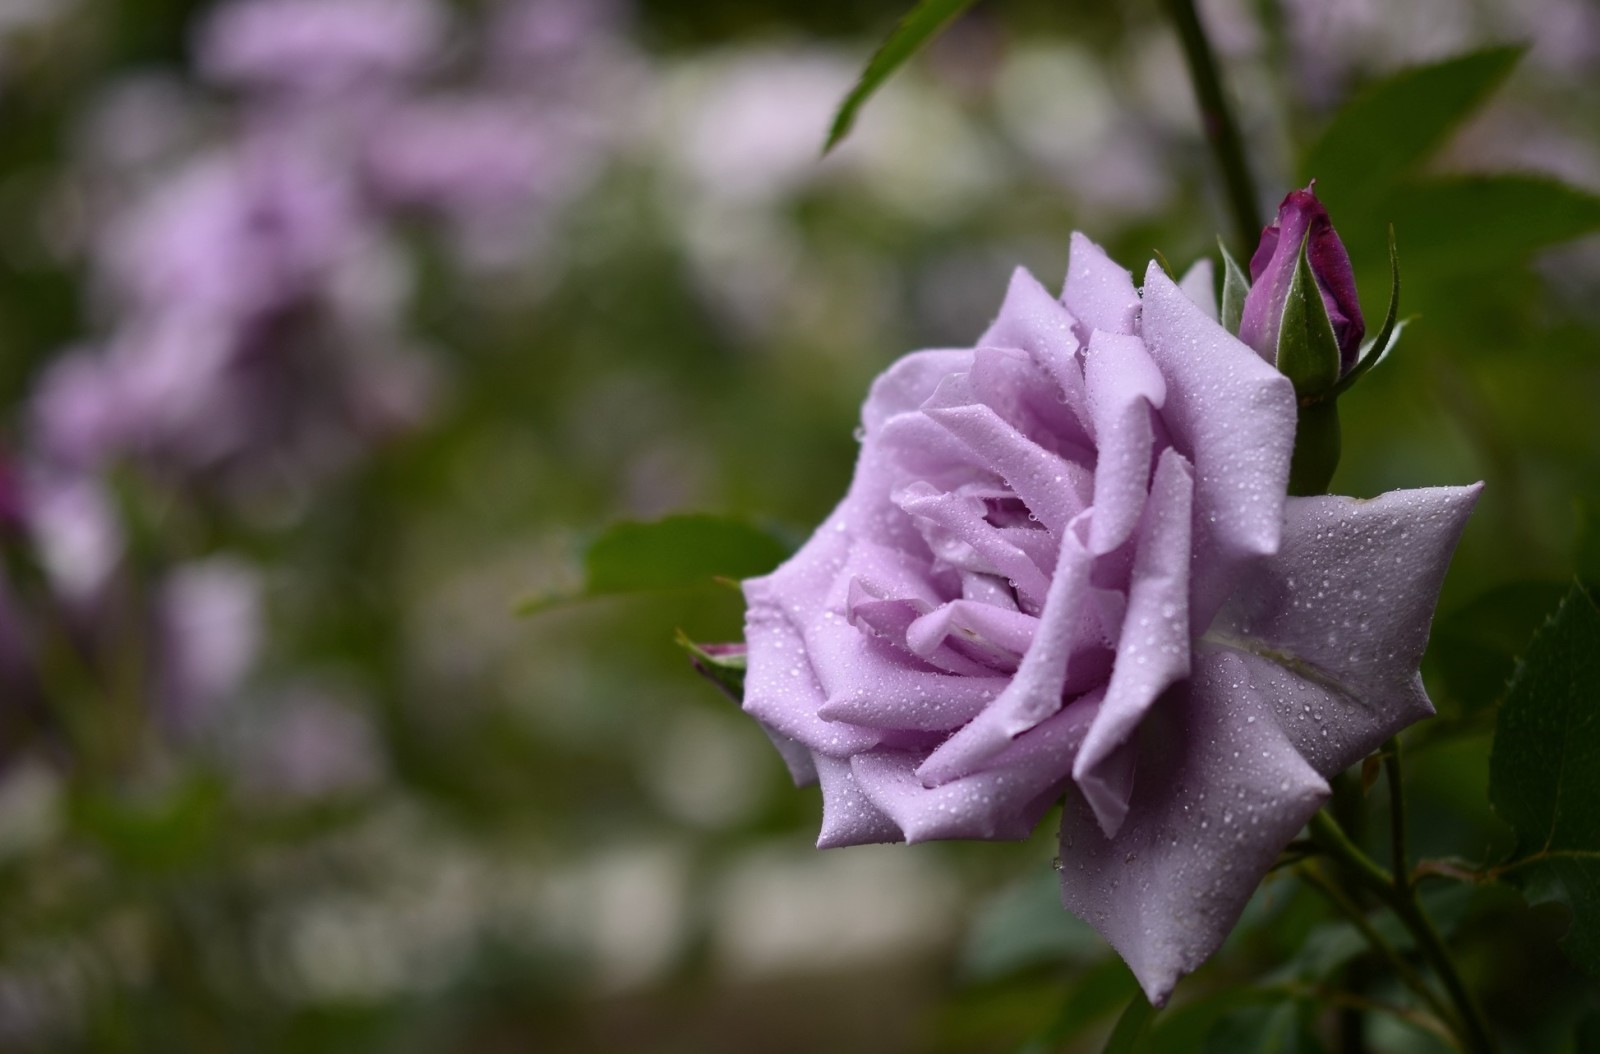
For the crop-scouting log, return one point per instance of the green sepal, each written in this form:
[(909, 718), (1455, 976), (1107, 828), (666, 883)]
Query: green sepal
[(1235, 287), (1380, 345), (725, 670), (1308, 349)]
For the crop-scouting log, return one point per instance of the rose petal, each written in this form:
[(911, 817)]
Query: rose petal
[(848, 816), (1234, 417), (1153, 648), (1045, 481), (1004, 801), (980, 626), (1228, 791), (1033, 321), (962, 522), (1013, 385), (1099, 291), (1066, 625), (802, 767), (782, 688), (1338, 620), (1124, 386)]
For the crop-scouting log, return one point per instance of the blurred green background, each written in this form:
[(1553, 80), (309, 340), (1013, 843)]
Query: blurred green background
[(418, 821)]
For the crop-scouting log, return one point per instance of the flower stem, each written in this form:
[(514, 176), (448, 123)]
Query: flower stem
[(1407, 973), (1221, 129), (1401, 898), (1398, 857)]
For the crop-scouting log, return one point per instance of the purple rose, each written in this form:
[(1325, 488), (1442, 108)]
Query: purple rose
[(1301, 220), (1067, 566)]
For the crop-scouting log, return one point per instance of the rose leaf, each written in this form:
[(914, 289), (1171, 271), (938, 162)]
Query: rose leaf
[(1544, 771), (671, 553), (920, 25)]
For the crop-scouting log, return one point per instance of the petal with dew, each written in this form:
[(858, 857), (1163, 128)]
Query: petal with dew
[(1231, 792), (1099, 291), (1124, 386), (1153, 648), (1234, 417)]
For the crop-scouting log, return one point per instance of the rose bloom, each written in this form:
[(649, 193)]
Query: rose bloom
[(1067, 570)]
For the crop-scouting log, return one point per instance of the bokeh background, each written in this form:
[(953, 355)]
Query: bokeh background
[(331, 331)]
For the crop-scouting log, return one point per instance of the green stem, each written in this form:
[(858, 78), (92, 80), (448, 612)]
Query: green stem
[(1407, 973), (1401, 898), (1399, 859), (1221, 129)]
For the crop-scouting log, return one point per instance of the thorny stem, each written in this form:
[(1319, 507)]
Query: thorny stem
[(1221, 128), (1401, 898)]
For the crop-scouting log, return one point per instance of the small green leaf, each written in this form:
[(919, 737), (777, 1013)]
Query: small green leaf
[(1544, 771), (1235, 287), (1131, 1027), (1482, 223), (920, 25), (1379, 346), (1308, 349), (671, 553), (1387, 130)]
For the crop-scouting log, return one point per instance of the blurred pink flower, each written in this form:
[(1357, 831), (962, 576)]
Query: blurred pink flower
[(318, 45)]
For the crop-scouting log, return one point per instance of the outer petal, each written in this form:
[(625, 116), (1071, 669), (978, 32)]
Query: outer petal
[(1234, 416), (1124, 387), (848, 816), (1229, 791), (1337, 621), (1099, 291), (802, 767), (1153, 649), (781, 688)]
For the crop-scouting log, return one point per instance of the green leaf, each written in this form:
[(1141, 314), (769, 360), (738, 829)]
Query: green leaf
[(1131, 1027), (1095, 993), (920, 25), (1382, 134), (1308, 349), (1235, 287), (1482, 223), (1474, 647), (1279, 1029), (1544, 772), (1183, 1029), (671, 553), (1023, 927), (1374, 352)]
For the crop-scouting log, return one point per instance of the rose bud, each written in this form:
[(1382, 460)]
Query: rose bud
[(1302, 221)]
